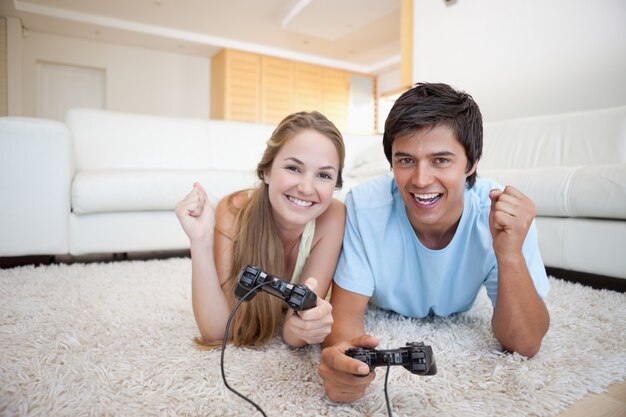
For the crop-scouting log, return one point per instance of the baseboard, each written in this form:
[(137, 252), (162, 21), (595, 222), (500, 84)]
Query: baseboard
[(15, 261), (601, 282), (584, 278)]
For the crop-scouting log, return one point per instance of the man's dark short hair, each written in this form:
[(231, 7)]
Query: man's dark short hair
[(435, 104)]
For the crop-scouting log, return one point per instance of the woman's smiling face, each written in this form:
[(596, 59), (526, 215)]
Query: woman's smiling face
[(302, 178)]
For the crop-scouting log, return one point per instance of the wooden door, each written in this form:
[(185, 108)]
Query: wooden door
[(336, 96), (307, 87), (236, 86), (276, 89)]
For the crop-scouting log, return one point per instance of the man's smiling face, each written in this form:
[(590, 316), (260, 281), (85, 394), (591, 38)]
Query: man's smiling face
[(429, 166)]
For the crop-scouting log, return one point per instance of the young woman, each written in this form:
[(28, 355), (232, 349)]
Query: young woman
[(289, 226)]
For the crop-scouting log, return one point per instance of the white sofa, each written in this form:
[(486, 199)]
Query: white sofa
[(107, 182), (573, 166)]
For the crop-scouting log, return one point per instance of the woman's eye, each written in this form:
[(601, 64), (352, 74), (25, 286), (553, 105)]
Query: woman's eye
[(292, 168), (325, 176)]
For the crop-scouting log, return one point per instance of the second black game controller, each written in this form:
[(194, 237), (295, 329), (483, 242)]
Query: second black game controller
[(298, 297), (416, 357)]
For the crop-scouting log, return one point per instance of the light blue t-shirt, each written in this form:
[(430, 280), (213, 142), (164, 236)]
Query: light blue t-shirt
[(382, 257)]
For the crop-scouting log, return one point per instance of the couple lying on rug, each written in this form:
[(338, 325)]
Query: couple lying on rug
[(420, 242)]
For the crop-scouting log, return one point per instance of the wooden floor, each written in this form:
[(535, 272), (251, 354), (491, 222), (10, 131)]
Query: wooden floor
[(609, 404)]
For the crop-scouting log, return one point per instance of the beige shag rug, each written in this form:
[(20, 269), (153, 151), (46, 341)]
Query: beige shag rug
[(116, 339)]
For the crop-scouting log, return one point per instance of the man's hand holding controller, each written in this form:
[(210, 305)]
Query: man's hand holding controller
[(345, 378)]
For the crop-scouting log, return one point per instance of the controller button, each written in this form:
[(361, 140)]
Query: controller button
[(294, 300), (299, 291)]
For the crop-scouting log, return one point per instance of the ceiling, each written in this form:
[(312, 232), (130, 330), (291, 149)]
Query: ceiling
[(357, 35)]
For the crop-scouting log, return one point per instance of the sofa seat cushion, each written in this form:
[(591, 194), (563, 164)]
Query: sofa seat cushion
[(584, 191), (370, 162), (102, 191)]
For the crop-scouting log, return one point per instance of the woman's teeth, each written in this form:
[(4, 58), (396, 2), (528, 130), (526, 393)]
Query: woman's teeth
[(300, 203)]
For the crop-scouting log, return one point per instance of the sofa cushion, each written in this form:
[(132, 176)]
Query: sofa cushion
[(582, 191), (101, 191), (137, 231), (582, 138), (600, 191), (370, 162), (586, 245), (111, 140), (358, 146), (237, 145), (597, 191)]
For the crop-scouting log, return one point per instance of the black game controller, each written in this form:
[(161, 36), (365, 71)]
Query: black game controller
[(297, 297), (416, 357)]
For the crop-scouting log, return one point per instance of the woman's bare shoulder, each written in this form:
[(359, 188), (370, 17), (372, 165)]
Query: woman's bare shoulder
[(336, 212), (334, 217), (228, 209)]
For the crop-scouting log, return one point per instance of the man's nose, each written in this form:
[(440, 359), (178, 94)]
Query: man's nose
[(421, 176)]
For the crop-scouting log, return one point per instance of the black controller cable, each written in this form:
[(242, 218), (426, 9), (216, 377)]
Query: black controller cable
[(255, 405), (386, 395), (232, 314)]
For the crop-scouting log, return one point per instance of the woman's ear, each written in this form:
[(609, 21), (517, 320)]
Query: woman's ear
[(266, 175)]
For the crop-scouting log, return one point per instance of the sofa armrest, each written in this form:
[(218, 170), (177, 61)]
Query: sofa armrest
[(595, 191), (35, 175)]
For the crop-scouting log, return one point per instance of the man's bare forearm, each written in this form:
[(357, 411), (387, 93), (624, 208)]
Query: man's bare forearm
[(520, 319), (348, 312), (344, 329)]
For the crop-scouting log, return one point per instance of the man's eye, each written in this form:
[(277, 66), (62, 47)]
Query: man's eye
[(442, 161), (405, 161)]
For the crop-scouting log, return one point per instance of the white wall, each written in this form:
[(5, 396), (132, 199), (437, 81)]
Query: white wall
[(137, 80), (14, 73), (388, 81), (525, 57)]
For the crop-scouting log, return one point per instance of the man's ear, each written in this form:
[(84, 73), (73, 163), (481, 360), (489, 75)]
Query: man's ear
[(472, 169)]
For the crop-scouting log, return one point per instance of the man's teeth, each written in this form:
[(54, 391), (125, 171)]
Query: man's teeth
[(300, 203), (426, 198)]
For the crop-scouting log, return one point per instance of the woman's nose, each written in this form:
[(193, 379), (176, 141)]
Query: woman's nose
[(306, 185)]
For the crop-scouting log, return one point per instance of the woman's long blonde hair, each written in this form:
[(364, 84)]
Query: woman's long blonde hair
[(256, 240)]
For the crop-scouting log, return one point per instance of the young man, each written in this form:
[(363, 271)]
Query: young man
[(425, 240)]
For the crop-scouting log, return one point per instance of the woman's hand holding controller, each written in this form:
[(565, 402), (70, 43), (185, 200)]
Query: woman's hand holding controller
[(312, 325)]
